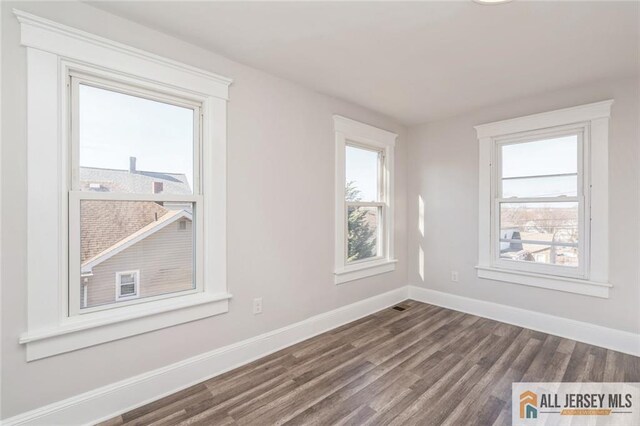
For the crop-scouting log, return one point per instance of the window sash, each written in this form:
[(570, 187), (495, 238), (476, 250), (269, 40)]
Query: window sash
[(380, 232), (381, 168), (75, 79), (381, 205), (496, 189), (76, 196)]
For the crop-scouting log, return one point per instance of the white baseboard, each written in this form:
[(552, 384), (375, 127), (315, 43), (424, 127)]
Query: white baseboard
[(111, 400), (609, 338), (108, 401)]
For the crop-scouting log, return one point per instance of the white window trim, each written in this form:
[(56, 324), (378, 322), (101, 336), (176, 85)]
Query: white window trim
[(52, 51), (348, 131), (593, 121), (136, 284)]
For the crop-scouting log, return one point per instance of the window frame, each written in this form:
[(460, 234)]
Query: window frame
[(380, 205), (591, 123), (582, 198), (136, 284), (363, 136), (110, 82), (54, 51)]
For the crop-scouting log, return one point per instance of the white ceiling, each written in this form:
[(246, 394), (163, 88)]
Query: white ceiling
[(415, 61)]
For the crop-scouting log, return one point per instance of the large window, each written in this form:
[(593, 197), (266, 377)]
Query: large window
[(539, 204), (135, 182), (364, 207), (126, 174), (543, 200)]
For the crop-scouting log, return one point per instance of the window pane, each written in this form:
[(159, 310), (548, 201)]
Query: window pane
[(144, 236), (127, 290), (363, 232), (543, 157), (127, 279), (552, 186), (362, 168), (536, 222), (543, 253), (134, 145)]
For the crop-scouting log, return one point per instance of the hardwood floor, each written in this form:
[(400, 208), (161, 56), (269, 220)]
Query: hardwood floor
[(425, 365)]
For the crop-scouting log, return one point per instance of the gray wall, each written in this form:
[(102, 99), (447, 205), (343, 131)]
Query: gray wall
[(443, 170), (280, 216)]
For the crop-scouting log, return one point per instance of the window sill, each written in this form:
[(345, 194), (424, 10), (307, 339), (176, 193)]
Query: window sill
[(90, 329), (363, 270), (569, 285)]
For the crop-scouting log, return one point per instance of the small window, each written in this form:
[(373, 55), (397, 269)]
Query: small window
[(364, 202), (364, 195), (127, 285), (158, 187)]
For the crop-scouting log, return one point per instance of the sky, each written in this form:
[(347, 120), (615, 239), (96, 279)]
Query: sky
[(114, 127), (362, 169), (543, 157)]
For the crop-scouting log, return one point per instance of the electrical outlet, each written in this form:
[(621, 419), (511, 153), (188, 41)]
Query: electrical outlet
[(454, 276), (257, 305)]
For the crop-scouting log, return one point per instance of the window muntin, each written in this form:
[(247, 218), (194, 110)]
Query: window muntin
[(539, 203), (126, 141), (364, 203)]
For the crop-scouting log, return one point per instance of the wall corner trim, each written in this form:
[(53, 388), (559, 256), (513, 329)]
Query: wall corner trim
[(111, 400), (617, 340)]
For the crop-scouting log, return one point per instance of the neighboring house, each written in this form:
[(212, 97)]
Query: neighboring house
[(541, 253), (132, 181), (517, 250), (132, 249)]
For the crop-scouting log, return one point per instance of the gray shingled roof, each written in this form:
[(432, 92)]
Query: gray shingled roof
[(104, 223), (138, 181)]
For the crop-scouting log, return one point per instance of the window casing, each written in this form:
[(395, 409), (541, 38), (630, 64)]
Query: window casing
[(364, 204), (543, 217), (61, 316)]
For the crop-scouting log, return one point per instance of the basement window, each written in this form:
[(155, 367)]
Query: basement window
[(543, 194), (364, 202)]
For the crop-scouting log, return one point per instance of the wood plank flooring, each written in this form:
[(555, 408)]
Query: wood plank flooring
[(425, 365)]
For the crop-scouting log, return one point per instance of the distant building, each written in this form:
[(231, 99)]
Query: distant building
[(132, 181), (132, 249), (519, 250)]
